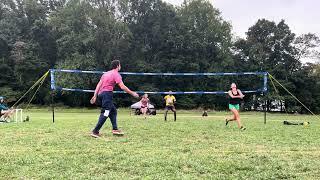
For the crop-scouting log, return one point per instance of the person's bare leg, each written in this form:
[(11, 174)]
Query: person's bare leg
[(144, 111), (237, 115), (232, 118), (8, 113)]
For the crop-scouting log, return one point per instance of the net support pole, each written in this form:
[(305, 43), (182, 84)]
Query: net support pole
[(265, 110), (52, 92), (52, 106), (265, 90)]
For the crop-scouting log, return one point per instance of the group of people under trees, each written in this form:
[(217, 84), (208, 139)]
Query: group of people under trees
[(103, 97)]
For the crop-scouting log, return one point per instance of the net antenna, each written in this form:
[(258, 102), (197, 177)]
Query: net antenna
[(263, 89)]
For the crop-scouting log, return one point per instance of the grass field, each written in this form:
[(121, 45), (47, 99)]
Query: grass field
[(191, 148)]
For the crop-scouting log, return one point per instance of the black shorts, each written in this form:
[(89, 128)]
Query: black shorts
[(170, 108)]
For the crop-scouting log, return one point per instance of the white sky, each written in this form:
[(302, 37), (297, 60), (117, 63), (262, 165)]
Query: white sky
[(302, 16)]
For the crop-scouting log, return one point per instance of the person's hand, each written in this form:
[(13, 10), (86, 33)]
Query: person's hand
[(93, 99), (134, 94), (242, 96)]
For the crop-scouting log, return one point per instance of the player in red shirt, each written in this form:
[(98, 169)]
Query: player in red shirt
[(103, 97)]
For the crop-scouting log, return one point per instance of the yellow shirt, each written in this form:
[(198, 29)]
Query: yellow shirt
[(170, 100)]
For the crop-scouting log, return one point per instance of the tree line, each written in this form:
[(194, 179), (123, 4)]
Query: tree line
[(151, 36)]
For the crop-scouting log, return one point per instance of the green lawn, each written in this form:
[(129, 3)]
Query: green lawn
[(191, 148)]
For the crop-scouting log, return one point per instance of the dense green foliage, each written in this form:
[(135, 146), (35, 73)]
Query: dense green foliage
[(148, 36), (191, 148)]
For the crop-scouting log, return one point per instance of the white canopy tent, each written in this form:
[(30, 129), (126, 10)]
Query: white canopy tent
[(137, 105)]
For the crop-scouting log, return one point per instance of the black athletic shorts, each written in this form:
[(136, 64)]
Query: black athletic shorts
[(170, 108)]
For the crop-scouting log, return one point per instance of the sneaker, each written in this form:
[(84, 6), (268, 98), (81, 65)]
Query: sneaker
[(243, 128), (95, 135), (117, 132), (227, 121)]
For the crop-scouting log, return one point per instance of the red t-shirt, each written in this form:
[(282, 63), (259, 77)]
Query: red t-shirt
[(109, 80)]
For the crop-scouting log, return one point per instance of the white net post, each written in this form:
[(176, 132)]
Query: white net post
[(18, 115)]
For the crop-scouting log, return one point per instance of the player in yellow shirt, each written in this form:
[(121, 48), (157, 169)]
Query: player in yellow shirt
[(170, 101)]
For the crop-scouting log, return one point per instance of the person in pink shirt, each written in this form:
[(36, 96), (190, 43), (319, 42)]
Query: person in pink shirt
[(144, 105), (103, 97)]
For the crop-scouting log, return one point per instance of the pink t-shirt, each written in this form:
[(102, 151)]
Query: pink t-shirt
[(109, 80)]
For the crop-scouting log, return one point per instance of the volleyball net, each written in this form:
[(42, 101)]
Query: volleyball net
[(162, 83)]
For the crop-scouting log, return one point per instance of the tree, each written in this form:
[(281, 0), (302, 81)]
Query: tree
[(269, 47), (308, 46)]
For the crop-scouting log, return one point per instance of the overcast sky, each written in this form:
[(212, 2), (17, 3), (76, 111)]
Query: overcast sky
[(302, 16)]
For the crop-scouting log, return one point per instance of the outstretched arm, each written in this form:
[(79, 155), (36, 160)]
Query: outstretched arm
[(127, 90)]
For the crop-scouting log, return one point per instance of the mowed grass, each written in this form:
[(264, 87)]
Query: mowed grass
[(191, 148)]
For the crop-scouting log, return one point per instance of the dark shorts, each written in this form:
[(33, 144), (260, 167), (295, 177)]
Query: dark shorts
[(172, 108)]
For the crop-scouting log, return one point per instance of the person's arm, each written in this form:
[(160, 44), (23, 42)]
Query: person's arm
[(231, 95), (127, 90), (240, 93), (94, 98)]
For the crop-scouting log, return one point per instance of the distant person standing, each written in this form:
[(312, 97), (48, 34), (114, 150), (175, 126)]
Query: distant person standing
[(144, 105), (103, 96), (170, 100), (235, 96)]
